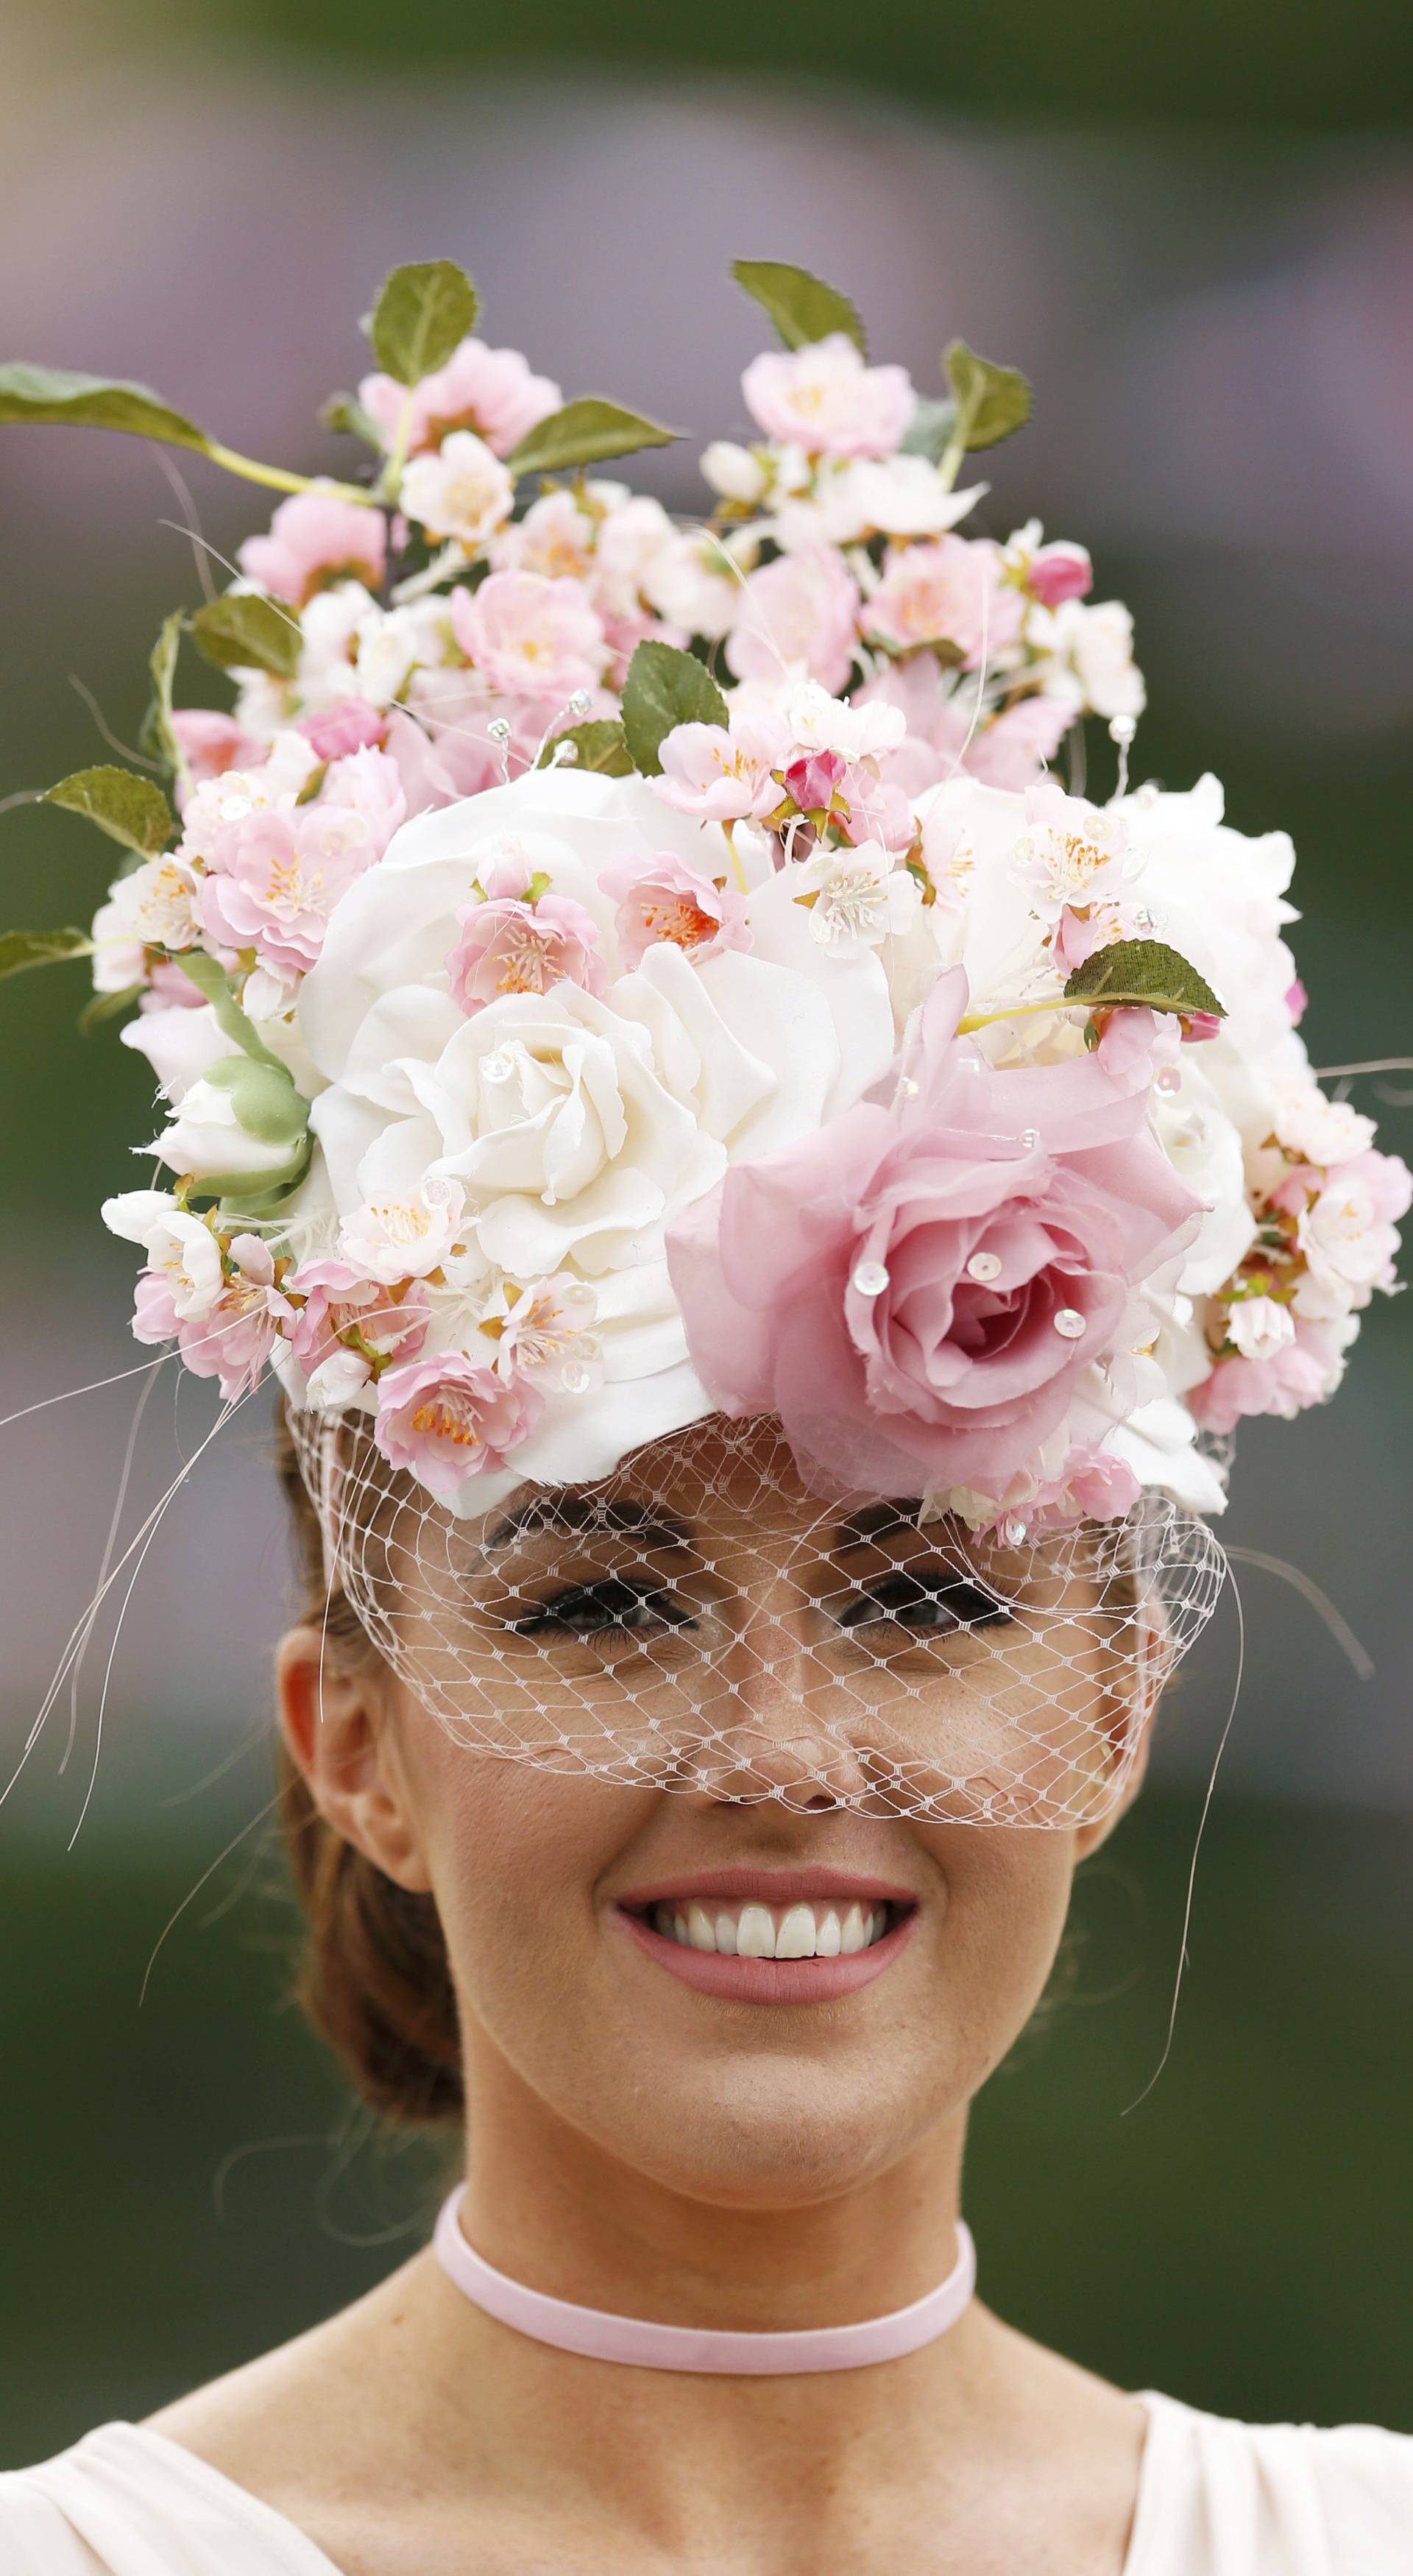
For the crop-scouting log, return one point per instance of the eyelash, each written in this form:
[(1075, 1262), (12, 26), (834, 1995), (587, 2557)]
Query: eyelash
[(593, 1609)]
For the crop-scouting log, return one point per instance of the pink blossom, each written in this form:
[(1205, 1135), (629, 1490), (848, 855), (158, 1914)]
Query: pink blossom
[(339, 1300), (508, 946), (367, 787), (944, 590), (450, 1418), (276, 878), (154, 1308), (1012, 748), (1100, 1485), (350, 724), (529, 635), (799, 610), (1199, 1027), (916, 1288), (825, 399), (1058, 572), (1303, 1373), (667, 898), (315, 538), (489, 390), (444, 755), (721, 776), (876, 810), (211, 743), (1297, 1002), (234, 1341)]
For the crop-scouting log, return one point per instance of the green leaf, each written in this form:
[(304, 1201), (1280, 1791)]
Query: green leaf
[(584, 432), (22, 948), (802, 308), (599, 746), (93, 402), (128, 808), (991, 401), (665, 688), (1142, 974), (346, 412), (156, 737), (106, 1006), (244, 631), (930, 429), (423, 312)]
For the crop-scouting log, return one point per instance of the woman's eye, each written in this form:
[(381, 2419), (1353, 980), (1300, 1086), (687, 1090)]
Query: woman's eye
[(920, 1601), (590, 1609)]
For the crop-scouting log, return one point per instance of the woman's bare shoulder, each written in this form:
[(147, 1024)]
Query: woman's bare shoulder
[(304, 2409)]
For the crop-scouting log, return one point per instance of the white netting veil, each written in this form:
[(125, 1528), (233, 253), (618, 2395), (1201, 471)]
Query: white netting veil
[(699, 1620)]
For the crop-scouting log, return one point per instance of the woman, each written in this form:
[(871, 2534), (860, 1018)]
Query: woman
[(661, 2130), (764, 1233)]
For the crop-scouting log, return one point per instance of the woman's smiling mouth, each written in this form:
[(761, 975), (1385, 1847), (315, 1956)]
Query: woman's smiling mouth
[(771, 1936)]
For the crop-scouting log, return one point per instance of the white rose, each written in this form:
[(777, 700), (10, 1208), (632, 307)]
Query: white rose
[(1205, 1150), (1259, 1327), (178, 1044), (208, 1140)]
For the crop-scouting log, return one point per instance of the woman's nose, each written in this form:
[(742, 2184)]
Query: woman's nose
[(765, 1735)]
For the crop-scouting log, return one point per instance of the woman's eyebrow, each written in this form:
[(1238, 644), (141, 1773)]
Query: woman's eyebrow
[(878, 1520), (591, 1515)]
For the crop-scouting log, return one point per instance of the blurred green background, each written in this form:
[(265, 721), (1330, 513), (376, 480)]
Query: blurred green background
[(1194, 227)]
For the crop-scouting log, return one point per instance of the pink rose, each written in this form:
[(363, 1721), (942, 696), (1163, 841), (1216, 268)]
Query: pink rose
[(1303, 1373), (944, 590), (508, 946), (349, 725), (1059, 572), (315, 538), (211, 743), (670, 899), (800, 609), (825, 399), (721, 776), (450, 1418), (530, 636), (917, 1289), (489, 390)]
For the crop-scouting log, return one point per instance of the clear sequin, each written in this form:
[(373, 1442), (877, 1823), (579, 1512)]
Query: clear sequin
[(1071, 1323), (870, 1279), (1030, 1138), (498, 1067), (984, 1266), (575, 1378), (1168, 1081)]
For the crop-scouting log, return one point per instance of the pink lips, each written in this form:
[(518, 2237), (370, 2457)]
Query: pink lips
[(769, 1981)]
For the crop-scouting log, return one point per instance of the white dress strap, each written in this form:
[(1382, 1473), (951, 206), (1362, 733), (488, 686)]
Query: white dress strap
[(127, 2502), (1218, 2498)]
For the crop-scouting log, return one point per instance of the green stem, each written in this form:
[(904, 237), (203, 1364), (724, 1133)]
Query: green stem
[(1017, 1011), (280, 480), (209, 977), (390, 480)]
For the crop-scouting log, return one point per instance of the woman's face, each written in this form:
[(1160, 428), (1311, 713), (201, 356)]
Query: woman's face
[(755, 2002)]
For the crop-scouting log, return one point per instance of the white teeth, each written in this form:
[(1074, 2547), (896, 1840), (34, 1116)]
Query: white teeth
[(755, 1931), (755, 1935), (795, 1938)]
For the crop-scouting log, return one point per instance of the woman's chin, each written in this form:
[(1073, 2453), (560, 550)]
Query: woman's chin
[(772, 2145)]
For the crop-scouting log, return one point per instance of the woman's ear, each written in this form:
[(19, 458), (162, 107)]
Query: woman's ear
[(335, 1723)]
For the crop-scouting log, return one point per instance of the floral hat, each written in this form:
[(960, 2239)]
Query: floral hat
[(605, 973)]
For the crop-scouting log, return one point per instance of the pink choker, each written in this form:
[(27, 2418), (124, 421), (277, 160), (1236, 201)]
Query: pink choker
[(601, 2337)]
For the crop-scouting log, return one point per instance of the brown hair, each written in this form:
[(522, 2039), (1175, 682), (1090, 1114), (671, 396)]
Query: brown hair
[(374, 1978)]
